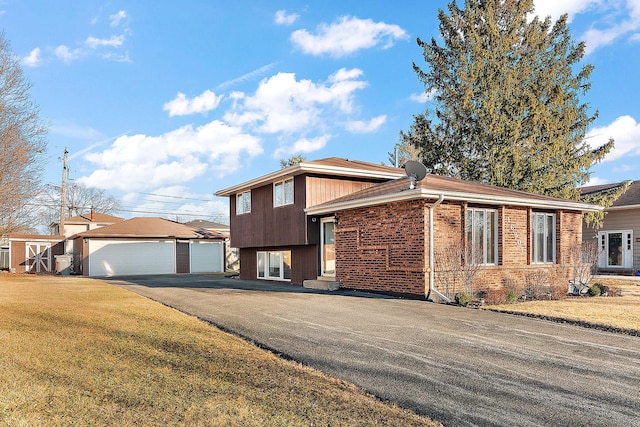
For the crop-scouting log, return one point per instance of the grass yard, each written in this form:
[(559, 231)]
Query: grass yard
[(77, 351), (613, 312)]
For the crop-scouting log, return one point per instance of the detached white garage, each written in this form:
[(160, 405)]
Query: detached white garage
[(142, 246)]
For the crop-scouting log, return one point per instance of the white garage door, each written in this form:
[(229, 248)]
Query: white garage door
[(118, 257), (206, 257)]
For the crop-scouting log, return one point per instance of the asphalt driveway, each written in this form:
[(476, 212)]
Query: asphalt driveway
[(458, 366)]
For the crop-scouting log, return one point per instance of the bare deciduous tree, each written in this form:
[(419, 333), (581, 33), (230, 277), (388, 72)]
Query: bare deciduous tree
[(456, 268), (22, 145)]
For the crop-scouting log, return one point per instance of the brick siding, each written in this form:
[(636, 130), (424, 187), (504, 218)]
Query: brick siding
[(386, 248)]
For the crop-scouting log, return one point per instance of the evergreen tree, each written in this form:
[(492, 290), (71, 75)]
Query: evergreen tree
[(507, 100), (293, 160)]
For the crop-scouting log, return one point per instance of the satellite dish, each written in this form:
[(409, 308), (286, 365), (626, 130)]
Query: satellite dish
[(416, 171)]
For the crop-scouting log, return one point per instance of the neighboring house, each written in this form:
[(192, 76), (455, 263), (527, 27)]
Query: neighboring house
[(232, 257), (276, 238), (361, 225), (33, 253), (142, 246), (80, 223), (619, 236)]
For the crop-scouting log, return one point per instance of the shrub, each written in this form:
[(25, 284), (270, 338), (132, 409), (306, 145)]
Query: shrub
[(495, 296), (537, 284), (558, 292), (595, 290), (612, 291), (512, 297), (462, 298)]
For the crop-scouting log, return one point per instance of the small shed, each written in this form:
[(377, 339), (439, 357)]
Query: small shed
[(142, 246), (32, 253)]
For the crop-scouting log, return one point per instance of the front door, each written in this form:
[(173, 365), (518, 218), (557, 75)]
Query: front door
[(327, 243), (616, 249)]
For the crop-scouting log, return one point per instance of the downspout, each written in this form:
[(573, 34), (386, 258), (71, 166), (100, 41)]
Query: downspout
[(431, 252)]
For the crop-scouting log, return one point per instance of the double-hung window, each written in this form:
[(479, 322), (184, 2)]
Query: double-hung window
[(482, 236), (243, 202), (283, 192), (543, 238), (274, 265)]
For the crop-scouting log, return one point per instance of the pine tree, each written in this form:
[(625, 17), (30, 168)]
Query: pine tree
[(507, 100)]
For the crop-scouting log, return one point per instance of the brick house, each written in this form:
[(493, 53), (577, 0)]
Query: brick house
[(384, 237)]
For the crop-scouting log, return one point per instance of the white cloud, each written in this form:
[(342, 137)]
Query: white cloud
[(181, 106), (33, 59), (359, 126), (555, 8), (346, 36), (422, 97), (139, 162), (283, 18), (625, 131), (594, 180), (615, 19), (67, 55), (116, 18), (283, 104), (114, 41), (303, 145)]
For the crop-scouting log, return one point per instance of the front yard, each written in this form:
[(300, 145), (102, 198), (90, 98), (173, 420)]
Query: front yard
[(77, 351), (615, 313)]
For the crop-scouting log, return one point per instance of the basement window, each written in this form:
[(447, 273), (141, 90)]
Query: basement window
[(274, 265)]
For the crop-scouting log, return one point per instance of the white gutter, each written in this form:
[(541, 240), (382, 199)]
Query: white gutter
[(431, 252), (455, 196)]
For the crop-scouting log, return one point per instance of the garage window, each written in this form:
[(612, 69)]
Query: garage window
[(274, 265)]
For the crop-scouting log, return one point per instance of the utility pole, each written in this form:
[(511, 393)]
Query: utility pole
[(63, 191)]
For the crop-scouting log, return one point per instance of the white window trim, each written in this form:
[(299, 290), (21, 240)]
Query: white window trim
[(603, 247), (284, 198), (533, 238), (238, 204), (495, 234), (266, 266)]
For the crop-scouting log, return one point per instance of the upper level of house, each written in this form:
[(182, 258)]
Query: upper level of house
[(269, 211), (81, 223)]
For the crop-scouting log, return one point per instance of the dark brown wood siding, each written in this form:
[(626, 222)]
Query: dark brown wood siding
[(269, 226), (183, 264), (305, 262)]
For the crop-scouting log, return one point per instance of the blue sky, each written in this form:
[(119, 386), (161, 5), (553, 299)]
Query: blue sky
[(162, 103)]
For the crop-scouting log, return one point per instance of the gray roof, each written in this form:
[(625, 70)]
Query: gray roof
[(631, 197)]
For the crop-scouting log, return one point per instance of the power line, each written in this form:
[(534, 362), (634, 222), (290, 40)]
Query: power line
[(177, 197)]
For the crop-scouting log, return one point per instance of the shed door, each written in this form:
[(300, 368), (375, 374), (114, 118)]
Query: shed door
[(122, 257), (207, 257), (38, 257)]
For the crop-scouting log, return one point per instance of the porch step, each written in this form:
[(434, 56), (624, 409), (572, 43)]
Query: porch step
[(323, 284)]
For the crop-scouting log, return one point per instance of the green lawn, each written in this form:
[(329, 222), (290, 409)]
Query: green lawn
[(77, 351)]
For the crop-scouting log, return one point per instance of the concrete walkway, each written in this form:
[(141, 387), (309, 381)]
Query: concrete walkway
[(458, 366)]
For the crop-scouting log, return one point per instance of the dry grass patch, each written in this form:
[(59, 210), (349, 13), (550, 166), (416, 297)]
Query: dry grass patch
[(610, 312), (77, 351)]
